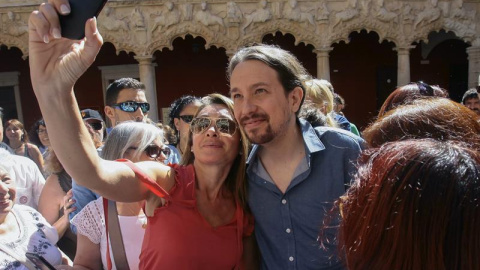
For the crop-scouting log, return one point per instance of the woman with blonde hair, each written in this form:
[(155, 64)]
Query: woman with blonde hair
[(318, 93)]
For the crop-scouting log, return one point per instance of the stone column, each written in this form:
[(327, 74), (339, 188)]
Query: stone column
[(403, 64), (323, 63), (473, 66), (146, 69)]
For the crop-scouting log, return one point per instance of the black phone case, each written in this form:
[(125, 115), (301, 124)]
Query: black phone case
[(73, 24), (39, 261)]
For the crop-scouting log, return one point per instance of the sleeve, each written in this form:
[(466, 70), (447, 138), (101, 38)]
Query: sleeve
[(82, 197), (90, 221), (350, 160), (36, 217)]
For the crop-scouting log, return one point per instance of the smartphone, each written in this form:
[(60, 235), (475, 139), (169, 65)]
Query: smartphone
[(39, 261), (73, 24)]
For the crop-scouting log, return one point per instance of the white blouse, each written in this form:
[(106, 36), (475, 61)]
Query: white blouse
[(36, 235), (90, 222)]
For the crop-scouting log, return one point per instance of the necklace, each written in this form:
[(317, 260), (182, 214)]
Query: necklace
[(17, 147)]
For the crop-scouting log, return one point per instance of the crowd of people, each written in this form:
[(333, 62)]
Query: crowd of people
[(272, 177)]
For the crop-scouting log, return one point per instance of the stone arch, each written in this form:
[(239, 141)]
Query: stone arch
[(423, 35), (363, 70), (382, 35), (279, 26), (303, 51), (12, 43), (190, 68), (166, 41), (119, 46)]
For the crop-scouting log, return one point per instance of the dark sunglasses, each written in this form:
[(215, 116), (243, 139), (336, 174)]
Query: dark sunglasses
[(96, 125), (132, 106), (223, 125), (425, 89), (154, 151), (186, 118)]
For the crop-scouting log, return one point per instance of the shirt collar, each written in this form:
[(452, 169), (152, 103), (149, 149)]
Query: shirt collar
[(310, 138)]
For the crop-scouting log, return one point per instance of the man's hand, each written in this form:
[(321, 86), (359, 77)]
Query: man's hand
[(55, 62)]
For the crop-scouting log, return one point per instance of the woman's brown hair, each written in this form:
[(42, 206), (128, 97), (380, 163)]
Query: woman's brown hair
[(236, 179), (16, 123), (414, 205), (439, 118), (410, 92)]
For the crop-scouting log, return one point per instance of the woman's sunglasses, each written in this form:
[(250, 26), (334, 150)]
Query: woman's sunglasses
[(154, 151), (96, 125), (187, 118), (132, 106), (424, 88), (222, 125)]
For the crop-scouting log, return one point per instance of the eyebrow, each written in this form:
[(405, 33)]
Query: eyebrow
[(253, 86)]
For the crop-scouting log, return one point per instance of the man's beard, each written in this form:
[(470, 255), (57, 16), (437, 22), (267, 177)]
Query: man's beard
[(261, 136), (257, 137)]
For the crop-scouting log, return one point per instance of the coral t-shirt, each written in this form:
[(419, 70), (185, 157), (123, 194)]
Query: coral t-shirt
[(178, 237)]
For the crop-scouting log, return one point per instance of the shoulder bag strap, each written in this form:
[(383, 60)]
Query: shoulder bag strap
[(105, 214), (114, 231), (24, 260), (153, 186)]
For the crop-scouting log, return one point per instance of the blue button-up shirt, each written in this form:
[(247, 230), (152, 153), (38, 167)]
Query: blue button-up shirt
[(287, 225)]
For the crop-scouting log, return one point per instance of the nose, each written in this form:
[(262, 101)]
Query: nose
[(138, 115), (161, 158), (212, 131), (3, 189), (247, 107)]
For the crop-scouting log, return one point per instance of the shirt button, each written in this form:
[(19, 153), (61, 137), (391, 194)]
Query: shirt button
[(291, 258), (288, 230), (284, 201)]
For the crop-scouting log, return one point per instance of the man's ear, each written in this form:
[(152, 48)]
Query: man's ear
[(295, 97), (110, 113)]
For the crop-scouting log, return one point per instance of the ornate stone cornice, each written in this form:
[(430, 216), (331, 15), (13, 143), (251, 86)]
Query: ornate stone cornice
[(142, 27)]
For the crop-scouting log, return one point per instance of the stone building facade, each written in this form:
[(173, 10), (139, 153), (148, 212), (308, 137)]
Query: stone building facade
[(142, 29)]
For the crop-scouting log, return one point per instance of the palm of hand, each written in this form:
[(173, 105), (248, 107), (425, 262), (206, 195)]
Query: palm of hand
[(58, 64)]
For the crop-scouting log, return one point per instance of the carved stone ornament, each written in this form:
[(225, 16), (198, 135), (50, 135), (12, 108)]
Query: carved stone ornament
[(142, 27)]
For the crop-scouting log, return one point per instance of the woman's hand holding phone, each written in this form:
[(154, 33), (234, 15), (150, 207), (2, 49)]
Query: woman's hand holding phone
[(55, 62)]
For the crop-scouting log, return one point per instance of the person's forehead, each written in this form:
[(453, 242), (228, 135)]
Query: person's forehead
[(472, 99), (130, 94), (158, 141), (189, 109), (215, 110), (3, 173), (252, 72)]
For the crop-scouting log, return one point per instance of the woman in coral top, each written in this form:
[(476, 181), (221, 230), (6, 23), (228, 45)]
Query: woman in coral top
[(196, 211)]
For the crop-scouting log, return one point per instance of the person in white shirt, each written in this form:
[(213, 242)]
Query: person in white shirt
[(29, 179)]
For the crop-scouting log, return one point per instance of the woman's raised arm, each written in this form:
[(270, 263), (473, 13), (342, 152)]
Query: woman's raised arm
[(55, 65)]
